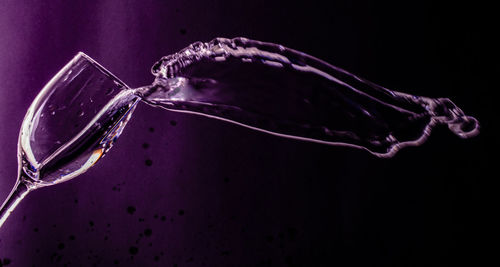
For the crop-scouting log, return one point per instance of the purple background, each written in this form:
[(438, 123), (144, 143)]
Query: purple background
[(216, 194)]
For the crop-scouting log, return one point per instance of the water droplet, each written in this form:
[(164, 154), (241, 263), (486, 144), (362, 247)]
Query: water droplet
[(131, 209), (133, 250), (51, 107)]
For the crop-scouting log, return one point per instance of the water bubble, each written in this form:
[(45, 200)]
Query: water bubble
[(51, 107), (109, 91)]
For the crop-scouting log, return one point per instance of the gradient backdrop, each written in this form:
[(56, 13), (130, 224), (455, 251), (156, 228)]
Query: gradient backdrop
[(180, 190)]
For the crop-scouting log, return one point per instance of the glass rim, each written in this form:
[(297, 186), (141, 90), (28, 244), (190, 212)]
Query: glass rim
[(81, 54)]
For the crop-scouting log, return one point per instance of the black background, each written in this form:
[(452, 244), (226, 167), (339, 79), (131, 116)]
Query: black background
[(233, 197)]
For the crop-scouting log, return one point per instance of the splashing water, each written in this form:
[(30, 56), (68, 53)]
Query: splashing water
[(262, 86), (280, 91)]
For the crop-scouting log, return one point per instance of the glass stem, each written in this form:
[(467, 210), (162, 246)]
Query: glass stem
[(20, 190)]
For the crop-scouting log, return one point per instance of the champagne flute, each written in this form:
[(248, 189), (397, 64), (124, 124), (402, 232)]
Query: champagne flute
[(69, 126)]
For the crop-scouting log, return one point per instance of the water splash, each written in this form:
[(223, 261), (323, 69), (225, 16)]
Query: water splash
[(284, 92)]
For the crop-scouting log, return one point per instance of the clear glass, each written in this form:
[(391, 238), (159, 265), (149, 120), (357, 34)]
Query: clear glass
[(69, 126)]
